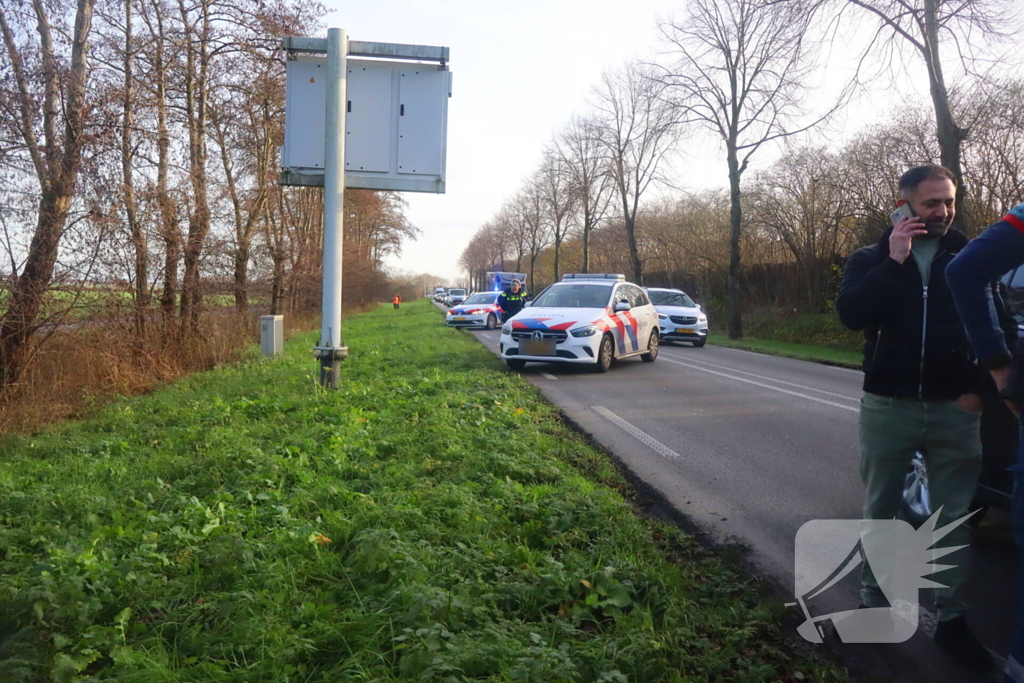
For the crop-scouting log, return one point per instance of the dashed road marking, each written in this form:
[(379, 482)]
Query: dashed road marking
[(641, 436), (546, 374)]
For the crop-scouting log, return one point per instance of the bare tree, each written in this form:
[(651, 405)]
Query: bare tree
[(638, 132), (740, 71), (530, 207), (586, 163), (804, 201), (553, 181), (48, 93), (921, 25)]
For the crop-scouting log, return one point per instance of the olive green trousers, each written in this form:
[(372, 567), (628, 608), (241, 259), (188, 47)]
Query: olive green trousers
[(891, 431)]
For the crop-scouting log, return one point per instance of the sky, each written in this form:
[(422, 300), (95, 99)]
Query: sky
[(520, 70)]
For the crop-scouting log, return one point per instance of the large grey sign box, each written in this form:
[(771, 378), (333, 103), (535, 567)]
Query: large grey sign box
[(396, 124)]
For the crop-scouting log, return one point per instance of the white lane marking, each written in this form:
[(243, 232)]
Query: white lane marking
[(762, 353), (644, 438), (545, 374), (765, 386), (770, 379)]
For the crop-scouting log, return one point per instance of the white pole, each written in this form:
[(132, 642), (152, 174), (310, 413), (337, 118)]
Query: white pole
[(330, 350)]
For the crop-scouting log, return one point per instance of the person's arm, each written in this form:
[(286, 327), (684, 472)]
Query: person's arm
[(865, 288), (987, 257)]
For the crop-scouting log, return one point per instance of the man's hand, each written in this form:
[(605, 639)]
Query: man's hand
[(970, 403), (902, 235), (1002, 377)]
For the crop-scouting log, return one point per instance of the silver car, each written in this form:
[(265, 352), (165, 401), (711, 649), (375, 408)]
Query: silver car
[(678, 317)]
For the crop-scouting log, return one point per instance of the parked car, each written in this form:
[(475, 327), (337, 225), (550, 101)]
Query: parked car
[(479, 310), (455, 297), (1000, 438), (588, 319), (680, 319)]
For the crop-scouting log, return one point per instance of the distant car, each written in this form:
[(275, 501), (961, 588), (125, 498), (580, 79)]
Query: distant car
[(455, 297), (479, 310), (439, 294), (588, 319), (679, 318)]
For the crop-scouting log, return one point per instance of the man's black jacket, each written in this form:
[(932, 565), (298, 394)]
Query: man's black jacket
[(899, 317)]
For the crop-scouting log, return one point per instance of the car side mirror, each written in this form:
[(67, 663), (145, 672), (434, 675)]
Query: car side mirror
[(621, 306), (698, 307), (527, 304)]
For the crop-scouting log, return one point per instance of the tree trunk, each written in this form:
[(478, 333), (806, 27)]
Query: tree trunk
[(57, 175), (242, 278), (196, 90), (138, 239), (586, 243), (170, 233), (950, 135), (735, 223)]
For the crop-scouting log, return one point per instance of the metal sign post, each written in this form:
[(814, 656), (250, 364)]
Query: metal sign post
[(331, 351), (398, 101)]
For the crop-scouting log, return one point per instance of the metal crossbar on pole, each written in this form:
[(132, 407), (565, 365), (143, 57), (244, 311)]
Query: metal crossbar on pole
[(331, 351), (365, 48)]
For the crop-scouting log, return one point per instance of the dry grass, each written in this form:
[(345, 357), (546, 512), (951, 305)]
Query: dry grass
[(86, 364)]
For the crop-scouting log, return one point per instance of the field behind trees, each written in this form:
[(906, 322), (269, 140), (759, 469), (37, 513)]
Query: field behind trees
[(142, 229)]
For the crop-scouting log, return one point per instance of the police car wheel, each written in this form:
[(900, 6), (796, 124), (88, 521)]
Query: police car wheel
[(605, 355), (492, 322), (652, 348), (515, 364)]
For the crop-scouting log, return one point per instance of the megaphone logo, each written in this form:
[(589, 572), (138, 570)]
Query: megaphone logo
[(827, 550)]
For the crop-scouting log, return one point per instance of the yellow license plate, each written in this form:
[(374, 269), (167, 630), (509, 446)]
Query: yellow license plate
[(538, 347), (458, 319), (684, 330)]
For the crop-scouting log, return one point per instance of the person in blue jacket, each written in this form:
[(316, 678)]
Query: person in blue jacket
[(986, 258)]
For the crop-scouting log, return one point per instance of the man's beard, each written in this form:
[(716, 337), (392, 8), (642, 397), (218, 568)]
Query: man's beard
[(937, 229)]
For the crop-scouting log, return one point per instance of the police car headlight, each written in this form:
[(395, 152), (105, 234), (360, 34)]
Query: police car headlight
[(702, 318), (662, 316), (506, 328), (587, 331)]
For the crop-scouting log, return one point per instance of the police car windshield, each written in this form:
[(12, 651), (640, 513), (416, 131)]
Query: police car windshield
[(482, 298), (670, 299), (575, 296)]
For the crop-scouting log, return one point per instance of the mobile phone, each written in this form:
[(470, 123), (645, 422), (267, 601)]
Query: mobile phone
[(903, 212)]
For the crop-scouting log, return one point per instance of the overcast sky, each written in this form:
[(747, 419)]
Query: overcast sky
[(520, 70)]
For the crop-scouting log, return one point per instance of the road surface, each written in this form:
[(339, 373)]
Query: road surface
[(749, 447)]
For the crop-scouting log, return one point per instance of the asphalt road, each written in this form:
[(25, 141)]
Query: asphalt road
[(749, 447)]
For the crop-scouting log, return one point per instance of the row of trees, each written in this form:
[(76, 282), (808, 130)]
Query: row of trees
[(743, 71), (139, 145)]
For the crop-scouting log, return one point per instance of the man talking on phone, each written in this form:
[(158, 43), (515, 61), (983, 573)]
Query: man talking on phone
[(921, 386)]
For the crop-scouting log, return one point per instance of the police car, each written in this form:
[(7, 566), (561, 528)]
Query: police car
[(680, 318), (591, 319), (479, 310)]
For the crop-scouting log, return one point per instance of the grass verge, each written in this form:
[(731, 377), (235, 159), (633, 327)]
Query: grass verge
[(811, 352), (430, 520)]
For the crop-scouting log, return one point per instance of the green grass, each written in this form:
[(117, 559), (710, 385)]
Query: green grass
[(430, 520), (818, 337), (811, 352)]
